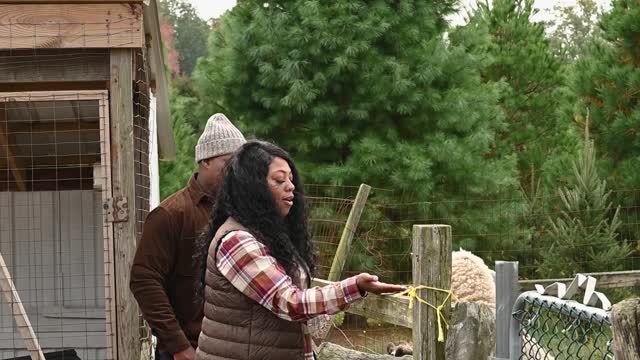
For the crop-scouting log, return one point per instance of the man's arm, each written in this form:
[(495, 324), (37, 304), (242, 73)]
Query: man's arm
[(154, 259)]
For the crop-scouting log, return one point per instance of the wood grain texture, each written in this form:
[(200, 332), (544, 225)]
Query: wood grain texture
[(431, 261), (625, 323), (123, 185), (54, 65), (34, 26)]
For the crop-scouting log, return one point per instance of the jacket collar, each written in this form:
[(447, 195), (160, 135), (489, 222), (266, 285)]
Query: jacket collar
[(196, 192)]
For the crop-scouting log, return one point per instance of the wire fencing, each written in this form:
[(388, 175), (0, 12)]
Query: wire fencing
[(503, 227), (551, 328)]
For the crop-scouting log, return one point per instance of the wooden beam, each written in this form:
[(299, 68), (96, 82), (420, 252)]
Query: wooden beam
[(52, 95), (19, 314), (387, 308), (26, 127), (18, 174), (54, 65), (344, 246), (55, 86), (625, 325), (606, 280), (49, 162), (69, 1), (34, 26), (123, 185), (102, 178), (431, 259)]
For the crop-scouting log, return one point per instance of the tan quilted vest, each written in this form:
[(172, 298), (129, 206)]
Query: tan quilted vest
[(236, 327)]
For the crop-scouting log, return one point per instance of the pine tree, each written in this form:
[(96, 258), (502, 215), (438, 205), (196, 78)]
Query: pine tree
[(364, 91), (522, 64), (584, 236), (522, 59), (175, 174), (607, 83)]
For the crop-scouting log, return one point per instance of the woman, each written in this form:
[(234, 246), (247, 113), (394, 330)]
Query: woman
[(259, 263)]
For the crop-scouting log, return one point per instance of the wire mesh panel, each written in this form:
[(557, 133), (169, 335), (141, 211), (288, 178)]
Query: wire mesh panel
[(551, 328), (141, 137), (379, 244), (54, 238), (328, 211), (141, 108)]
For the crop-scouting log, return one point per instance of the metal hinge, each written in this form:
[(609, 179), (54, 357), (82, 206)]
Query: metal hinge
[(116, 209)]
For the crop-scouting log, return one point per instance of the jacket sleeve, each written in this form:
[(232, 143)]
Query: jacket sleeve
[(250, 268), (152, 263)]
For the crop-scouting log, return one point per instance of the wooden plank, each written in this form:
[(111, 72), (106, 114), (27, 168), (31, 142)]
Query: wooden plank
[(431, 260), (28, 127), (344, 246), (123, 184), (70, 1), (22, 321), (107, 229), (387, 308), (606, 280), (32, 26), (506, 294), (625, 325), (158, 82), (52, 95), (55, 86), (18, 173), (55, 66)]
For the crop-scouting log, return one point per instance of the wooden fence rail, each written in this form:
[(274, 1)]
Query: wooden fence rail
[(606, 280)]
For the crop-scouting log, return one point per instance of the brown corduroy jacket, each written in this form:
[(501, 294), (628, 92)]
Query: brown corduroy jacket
[(163, 272)]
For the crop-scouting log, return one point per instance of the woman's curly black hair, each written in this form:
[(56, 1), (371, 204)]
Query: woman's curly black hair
[(245, 196)]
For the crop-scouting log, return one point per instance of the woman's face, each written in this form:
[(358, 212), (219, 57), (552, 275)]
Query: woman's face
[(280, 181)]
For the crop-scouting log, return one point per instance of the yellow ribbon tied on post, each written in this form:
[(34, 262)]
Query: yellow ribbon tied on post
[(412, 293)]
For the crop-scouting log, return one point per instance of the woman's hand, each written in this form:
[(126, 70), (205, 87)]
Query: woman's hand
[(370, 283), (188, 354)]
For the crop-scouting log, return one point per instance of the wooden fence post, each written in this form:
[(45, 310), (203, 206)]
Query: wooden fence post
[(431, 260), (506, 294), (625, 323), (348, 233), (127, 323)]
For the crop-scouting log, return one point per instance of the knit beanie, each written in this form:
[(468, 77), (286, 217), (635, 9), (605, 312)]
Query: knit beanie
[(220, 137)]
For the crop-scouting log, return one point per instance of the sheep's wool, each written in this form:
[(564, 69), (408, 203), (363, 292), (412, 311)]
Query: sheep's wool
[(471, 279)]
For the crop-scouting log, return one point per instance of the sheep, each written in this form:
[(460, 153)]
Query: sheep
[(471, 279)]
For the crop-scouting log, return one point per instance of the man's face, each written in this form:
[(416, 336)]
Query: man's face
[(211, 171)]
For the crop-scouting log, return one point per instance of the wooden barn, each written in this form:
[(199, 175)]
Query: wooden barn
[(84, 116)]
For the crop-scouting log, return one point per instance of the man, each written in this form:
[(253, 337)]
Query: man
[(163, 273)]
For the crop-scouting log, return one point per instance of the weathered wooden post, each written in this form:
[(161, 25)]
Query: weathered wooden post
[(344, 246), (625, 323), (506, 294), (431, 260)]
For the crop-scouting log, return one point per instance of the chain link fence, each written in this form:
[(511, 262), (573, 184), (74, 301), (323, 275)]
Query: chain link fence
[(552, 328)]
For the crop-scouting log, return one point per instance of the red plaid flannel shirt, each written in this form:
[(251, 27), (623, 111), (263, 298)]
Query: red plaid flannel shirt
[(250, 268)]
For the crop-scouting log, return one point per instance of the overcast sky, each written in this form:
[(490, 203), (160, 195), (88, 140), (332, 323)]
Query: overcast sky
[(214, 8)]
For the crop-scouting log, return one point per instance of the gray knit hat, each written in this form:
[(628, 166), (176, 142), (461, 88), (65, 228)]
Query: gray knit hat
[(220, 137)]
